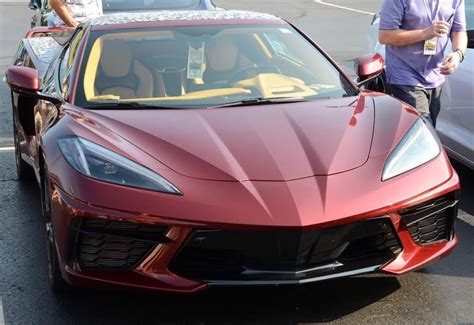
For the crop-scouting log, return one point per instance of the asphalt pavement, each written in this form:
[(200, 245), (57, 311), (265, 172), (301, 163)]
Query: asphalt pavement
[(442, 293)]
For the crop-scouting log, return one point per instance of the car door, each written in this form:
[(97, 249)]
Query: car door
[(456, 120), (56, 84)]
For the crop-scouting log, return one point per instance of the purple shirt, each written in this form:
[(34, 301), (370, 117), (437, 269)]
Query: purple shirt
[(407, 65)]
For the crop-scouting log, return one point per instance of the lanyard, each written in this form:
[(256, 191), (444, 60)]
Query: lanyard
[(430, 12)]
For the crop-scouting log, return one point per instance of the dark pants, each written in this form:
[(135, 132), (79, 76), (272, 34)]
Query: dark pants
[(426, 101)]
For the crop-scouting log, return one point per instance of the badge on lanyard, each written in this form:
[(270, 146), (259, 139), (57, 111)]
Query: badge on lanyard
[(431, 45)]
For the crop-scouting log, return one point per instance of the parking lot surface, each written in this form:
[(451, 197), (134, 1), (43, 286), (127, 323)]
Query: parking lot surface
[(441, 293)]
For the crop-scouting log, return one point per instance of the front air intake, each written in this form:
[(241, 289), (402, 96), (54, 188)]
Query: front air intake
[(432, 221), (286, 255), (107, 245)]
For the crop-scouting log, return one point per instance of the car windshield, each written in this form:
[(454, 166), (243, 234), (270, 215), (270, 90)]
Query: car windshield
[(206, 66), (129, 5)]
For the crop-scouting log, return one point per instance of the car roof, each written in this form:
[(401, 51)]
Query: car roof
[(44, 48), (180, 18)]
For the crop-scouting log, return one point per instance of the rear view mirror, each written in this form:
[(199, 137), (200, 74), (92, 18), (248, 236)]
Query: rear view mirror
[(23, 79), (369, 67), (26, 81)]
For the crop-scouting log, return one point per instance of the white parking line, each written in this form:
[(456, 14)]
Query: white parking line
[(7, 149), (344, 8), (2, 318), (466, 217)]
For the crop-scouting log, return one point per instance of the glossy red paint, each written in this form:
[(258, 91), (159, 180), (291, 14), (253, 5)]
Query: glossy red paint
[(290, 166), (153, 273), (370, 66), (44, 30), (224, 144), (23, 79)]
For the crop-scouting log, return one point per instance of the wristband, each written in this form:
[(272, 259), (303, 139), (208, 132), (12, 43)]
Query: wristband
[(461, 54)]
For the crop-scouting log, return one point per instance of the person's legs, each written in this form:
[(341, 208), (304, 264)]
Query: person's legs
[(418, 97), (435, 103)]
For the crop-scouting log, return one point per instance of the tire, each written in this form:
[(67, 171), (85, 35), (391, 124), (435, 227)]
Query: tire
[(24, 171), (55, 279)]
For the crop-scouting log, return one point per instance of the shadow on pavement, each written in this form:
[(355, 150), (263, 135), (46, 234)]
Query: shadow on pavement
[(461, 262), (321, 302), (467, 187)]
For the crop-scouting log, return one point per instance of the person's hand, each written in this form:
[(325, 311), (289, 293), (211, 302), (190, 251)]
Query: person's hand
[(438, 29), (450, 63), (72, 24)]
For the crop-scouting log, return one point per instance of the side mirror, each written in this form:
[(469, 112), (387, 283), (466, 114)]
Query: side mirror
[(470, 38), (26, 82), (369, 67), (23, 79)]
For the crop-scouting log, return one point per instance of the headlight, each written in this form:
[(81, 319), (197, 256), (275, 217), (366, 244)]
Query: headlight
[(97, 162), (417, 147)]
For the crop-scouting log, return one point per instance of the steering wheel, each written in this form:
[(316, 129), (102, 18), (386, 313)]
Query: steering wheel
[(265, 68)]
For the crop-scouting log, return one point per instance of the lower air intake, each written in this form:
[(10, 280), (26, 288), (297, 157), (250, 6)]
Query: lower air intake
[(432, 221), (105, 245), (286, 256)]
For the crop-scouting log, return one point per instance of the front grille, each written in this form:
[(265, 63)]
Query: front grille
[(113, 245), (432, 221), (286, 255)]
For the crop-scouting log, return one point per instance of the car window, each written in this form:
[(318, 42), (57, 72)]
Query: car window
[(124, 5), (64, 67), (67, 61), (20, 55), (206, 66), (279, 47)]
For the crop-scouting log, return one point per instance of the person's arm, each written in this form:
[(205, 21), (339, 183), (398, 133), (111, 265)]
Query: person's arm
[(391, 31), (452, 60), (401, 37), (459, 42), (61, 10)]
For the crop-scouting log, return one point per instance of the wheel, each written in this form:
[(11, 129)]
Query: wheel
[(24, 171), (56, 281)]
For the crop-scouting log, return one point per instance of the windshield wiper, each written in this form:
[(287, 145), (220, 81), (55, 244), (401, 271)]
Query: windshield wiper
[(130, 105), (266, 101)]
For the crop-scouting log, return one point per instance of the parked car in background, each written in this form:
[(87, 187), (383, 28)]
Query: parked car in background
[(455, 123), (43, 10), (182, 150)]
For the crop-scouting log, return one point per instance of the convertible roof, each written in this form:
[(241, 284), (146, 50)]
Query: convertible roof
[(42, 51), (181, 17), (44, 48)]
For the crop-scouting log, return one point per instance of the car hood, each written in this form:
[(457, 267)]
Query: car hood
[(259, 143)]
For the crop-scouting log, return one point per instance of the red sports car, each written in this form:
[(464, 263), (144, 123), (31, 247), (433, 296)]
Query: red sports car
[(182, 150)]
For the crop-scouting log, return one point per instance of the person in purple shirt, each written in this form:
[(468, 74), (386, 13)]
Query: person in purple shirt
[(416, 34)]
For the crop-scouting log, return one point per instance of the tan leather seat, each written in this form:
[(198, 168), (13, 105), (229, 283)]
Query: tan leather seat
[(121, 75), (223, 58)]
